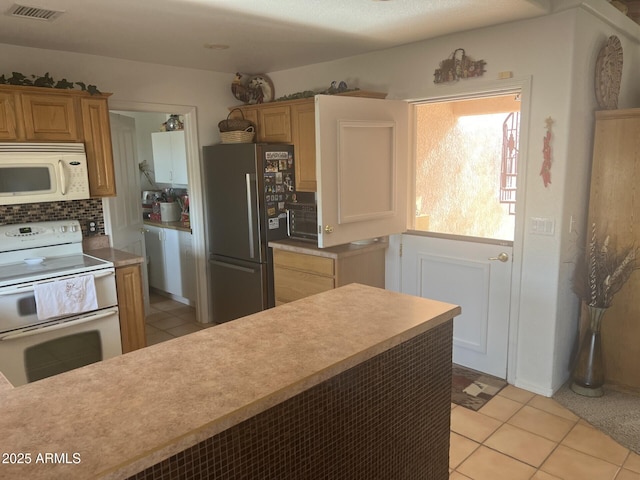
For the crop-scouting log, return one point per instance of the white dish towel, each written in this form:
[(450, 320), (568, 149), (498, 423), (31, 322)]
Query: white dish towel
[(64, 297)]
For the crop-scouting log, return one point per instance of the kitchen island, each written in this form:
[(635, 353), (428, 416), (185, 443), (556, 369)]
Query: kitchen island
[(353, 383)]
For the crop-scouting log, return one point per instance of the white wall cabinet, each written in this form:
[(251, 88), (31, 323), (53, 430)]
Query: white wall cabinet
[(169, 157), (171, 261)]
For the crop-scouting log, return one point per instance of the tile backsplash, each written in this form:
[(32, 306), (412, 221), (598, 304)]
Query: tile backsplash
[(81, 210)]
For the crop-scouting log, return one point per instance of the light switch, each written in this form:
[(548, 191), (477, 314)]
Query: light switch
[(542, 226)]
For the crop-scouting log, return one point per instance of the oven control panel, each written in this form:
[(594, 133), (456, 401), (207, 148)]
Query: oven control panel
[(39, 234)]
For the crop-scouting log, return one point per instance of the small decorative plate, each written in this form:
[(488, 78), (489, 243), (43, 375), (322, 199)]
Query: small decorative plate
[(265, 92), (609, 74)]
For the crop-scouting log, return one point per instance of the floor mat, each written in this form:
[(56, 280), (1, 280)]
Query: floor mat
[(473, 389), (617, 413)]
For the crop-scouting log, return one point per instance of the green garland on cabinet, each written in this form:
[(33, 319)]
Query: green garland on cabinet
[(46, 81)]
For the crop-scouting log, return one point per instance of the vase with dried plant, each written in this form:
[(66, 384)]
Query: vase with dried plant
[(601, 272)]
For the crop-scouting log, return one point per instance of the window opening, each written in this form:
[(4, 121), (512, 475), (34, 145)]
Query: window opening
[(466, 166)]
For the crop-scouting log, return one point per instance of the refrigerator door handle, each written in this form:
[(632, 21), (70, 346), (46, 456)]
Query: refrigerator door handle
[(250, 216), (232, 266)]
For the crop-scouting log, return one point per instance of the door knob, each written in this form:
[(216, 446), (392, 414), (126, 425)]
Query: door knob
[(502, 256), (328, 229)]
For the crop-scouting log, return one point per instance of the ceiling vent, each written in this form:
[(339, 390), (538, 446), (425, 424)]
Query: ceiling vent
[(36, 13)]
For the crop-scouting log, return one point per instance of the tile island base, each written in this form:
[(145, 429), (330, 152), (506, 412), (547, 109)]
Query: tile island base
[(352, 383), (387, 418)]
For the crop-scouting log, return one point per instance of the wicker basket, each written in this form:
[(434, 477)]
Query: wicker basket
[(234, 124), (238, 136)]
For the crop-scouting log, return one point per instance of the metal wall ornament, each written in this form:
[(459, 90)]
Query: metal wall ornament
[(458, 66)]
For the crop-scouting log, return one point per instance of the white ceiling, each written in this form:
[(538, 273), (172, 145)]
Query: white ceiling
[(262, 35)]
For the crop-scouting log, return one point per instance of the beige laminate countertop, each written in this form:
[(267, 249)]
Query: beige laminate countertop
[(119, 258), (98, 246), (340, 251), (4, 383), (130, 412), (171, 225)]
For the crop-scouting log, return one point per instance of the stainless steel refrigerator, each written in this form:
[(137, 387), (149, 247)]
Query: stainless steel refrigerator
[(246, 187)]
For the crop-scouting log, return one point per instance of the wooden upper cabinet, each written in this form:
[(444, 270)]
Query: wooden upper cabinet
[(8, 117), (97, 142), (50, 117), (292, 121), (303, 135), (274, 124), (36, 114)]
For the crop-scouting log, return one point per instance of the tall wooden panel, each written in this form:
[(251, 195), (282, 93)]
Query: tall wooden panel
[(614, 206)]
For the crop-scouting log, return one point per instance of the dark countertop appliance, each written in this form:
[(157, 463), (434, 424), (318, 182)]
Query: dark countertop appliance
[(302, 221), (246, 187)]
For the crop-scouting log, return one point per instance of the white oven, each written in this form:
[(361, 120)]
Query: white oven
[(33, 346)]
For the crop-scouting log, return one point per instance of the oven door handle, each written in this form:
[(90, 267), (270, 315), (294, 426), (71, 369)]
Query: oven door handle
[(29, 287), (59, 325)]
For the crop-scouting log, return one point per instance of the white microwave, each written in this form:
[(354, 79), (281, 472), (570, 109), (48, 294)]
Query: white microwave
[(42, 172)]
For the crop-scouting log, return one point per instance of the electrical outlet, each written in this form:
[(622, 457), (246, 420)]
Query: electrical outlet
[(92, 227)]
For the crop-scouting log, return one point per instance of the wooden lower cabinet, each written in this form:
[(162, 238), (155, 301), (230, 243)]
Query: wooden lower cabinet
[(131, 306), (298, 275)]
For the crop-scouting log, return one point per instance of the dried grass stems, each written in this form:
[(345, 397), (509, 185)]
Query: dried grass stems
[(603, 270)]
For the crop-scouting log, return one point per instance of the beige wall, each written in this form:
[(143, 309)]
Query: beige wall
[(556, 54)]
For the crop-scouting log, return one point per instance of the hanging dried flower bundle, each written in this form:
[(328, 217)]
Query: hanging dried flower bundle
[(603, 271)]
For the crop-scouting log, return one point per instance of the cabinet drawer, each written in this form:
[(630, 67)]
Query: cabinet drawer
[(293, 285), (303, 262)]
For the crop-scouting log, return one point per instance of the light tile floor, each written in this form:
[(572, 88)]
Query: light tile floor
[(170, 319), (516, 436)]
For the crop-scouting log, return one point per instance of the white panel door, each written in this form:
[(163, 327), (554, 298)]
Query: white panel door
[(361, 168), (123, 213), (469, 274)]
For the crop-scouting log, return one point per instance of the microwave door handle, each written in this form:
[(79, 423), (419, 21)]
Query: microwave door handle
[(59, 325), (63, 178), (29, 287), (250, 216)]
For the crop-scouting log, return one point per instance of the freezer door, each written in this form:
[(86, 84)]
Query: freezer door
[(232, 201), (236, 288)]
